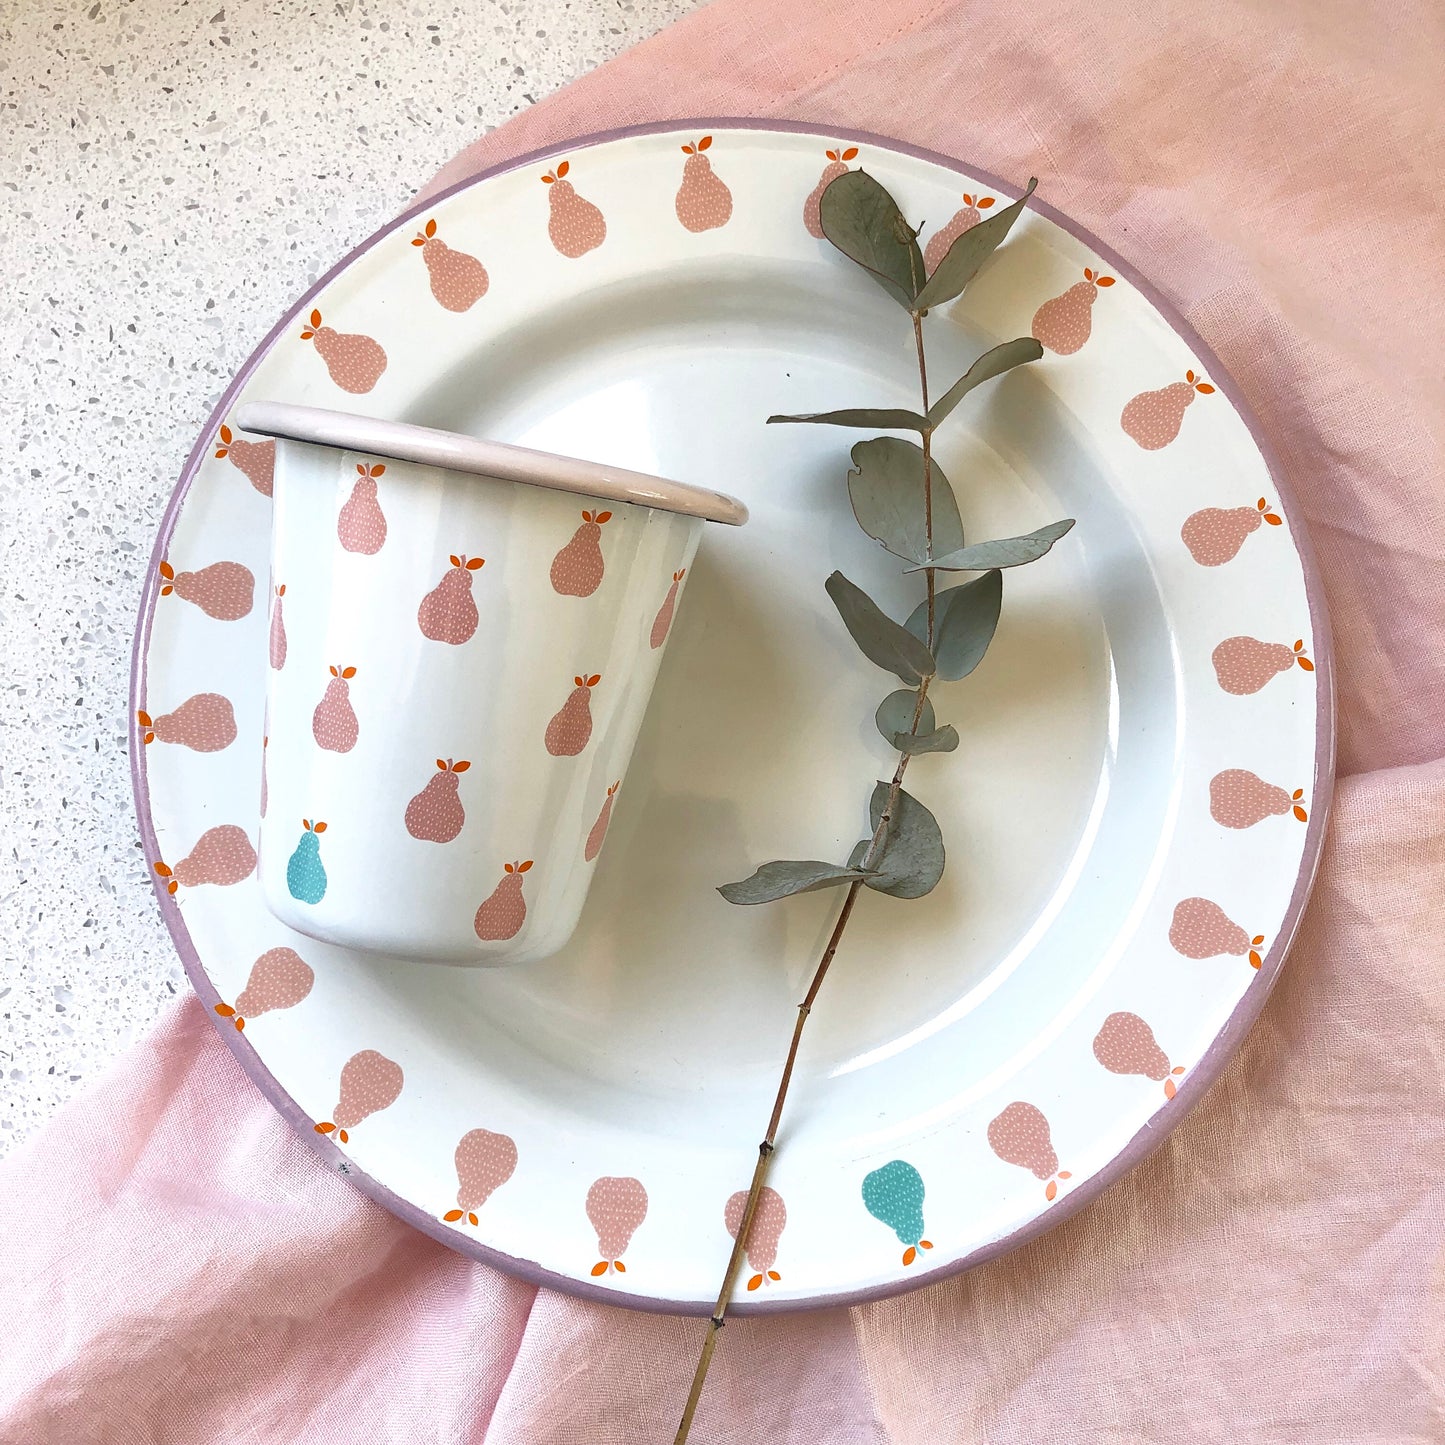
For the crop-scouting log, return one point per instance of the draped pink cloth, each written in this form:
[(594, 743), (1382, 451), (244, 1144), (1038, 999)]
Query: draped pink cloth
[(178, 1267)]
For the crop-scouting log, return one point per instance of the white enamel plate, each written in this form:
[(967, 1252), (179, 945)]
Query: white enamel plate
[(1133, 815)]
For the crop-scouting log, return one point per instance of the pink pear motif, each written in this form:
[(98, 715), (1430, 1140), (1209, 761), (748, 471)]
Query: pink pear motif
[(812, 208), (1215, 535), (575, 226), (1244, 664), (436, 815), (963, 220), (1153, 417), (354, 363), (1240, 799), (370, 1082), (277, 640), (265, 744), (222, 855), (279, 979), (334, 724), (569, 731), (1125, 1044), (1202, 929), (577, 569), (662, 623), (616, 1208), (448, 613), (485, 1161), (505, 911), (598, 835), (224, 590), (1063, 325), (703, 201), (769, 1220), (256, 461), (360, 526), (1020, 1135), (458, 281), (204, 723)]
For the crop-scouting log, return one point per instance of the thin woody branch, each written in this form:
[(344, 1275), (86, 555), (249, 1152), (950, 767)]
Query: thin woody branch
[(769, 1144), (863, 222)]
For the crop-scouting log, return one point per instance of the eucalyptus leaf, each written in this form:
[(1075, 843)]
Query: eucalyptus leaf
[(784, 877), (910, 862), (1006, 552), (887, 493), (967, 253), (965, 619), (863, 221), (882, 640), (943, 740), (991, 364), (895, 714), (881, 418)]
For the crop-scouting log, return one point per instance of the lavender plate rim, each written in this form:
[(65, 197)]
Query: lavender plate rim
[(1148, 1138)]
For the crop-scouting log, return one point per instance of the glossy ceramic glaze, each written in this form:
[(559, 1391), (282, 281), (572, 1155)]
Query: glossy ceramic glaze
[(983, 1061), (459, 666)]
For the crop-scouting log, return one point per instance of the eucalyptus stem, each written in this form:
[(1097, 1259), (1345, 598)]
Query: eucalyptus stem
[(769, 1143), (904, 856), (926, 441)]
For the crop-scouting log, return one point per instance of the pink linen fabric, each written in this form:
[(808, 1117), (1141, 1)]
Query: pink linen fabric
[(177, 1267)]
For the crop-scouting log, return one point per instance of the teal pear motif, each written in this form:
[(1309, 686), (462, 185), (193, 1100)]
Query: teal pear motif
[(305, 876), (893, 1194)]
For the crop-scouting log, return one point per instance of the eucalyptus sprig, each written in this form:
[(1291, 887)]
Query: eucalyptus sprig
[(902, 499)]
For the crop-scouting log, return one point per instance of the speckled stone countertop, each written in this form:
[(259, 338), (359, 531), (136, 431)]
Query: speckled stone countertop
[(172, 176)]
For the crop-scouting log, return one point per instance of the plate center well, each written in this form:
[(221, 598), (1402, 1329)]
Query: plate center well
[(760, 741)]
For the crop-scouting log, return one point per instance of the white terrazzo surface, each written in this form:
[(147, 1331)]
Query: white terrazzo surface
[(172, 175)]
